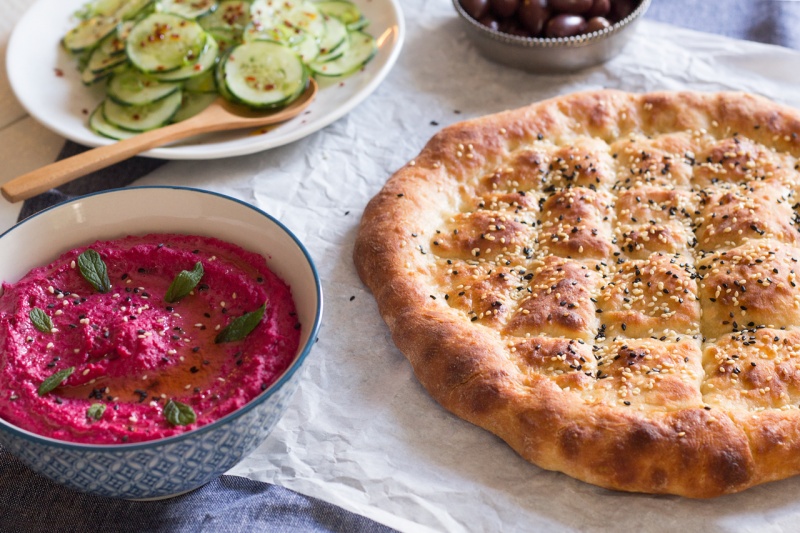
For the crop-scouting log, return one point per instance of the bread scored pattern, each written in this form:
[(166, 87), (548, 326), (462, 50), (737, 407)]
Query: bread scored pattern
[(608, 282)]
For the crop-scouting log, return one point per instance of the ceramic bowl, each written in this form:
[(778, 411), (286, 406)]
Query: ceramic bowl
[(552, 55), (170, 466)]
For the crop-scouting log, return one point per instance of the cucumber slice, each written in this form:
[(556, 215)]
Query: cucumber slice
[(105, 8), (101, 126), (112, 45), (124, 29), (190, 9), (289, 16), (262, 12), (306, 45), (264, 74), (307, 48), (304, 16), (123, 9), (343, 10), (133, 8), (162, 42), (258, 32), (205, 62), (335, 37), (226, 38), (362, 48), (101, 60), (219, 78), (333, 54), (230, 15), (358, 25), (131, 87), (193, 103), (204, 83), (89, 32), (90, 78), (142, 117)]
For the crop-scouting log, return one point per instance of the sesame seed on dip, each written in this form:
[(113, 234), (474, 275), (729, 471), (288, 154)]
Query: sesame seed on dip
[(106, 367)]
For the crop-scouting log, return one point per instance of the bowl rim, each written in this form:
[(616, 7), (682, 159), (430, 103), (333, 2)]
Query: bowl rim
[(252, 404), (553, 42)]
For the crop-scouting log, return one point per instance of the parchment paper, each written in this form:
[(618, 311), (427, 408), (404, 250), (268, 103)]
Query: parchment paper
[(361, 432)]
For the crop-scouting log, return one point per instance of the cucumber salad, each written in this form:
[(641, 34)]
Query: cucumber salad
[(164, 61)]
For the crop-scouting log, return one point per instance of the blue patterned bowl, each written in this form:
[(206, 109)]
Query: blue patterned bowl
[(174, 465)]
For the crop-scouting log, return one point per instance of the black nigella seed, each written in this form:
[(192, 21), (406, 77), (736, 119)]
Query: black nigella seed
[(195, 251), (263, 386), (124, 276), (194, 370), (196, 349), (142, 271), (170, 308)]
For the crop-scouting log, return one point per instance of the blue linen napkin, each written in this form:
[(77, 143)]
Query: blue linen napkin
[(32, 503)]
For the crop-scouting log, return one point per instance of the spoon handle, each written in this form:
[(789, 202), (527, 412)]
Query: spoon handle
[(61, 172)]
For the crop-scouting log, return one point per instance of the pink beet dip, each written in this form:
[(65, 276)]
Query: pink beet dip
[(132, 352)]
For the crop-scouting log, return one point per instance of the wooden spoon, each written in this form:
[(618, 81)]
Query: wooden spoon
[(221, 115)]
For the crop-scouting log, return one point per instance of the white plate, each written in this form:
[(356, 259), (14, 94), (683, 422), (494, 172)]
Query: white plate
[(62, 103)]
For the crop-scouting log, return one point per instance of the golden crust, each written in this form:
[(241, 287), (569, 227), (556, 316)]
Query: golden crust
[(606, 281)]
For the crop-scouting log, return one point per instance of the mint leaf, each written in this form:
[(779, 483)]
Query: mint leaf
[(96, 411), (40, 320), (241, 326), (184, 283), (93, 270), (55, 380), (179, 414)]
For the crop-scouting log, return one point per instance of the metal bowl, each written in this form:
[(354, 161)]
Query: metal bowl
[(546, 55)]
